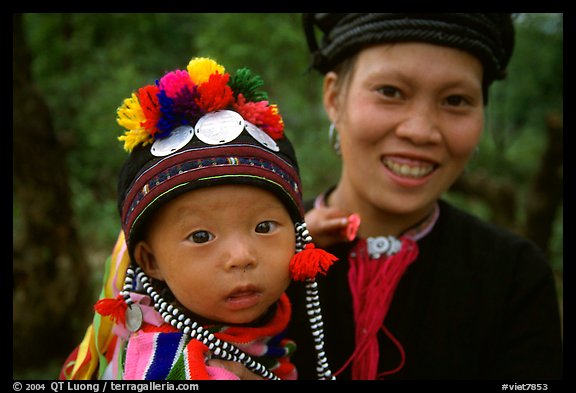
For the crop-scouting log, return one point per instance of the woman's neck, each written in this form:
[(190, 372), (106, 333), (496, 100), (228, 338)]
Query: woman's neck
[(376, 221)]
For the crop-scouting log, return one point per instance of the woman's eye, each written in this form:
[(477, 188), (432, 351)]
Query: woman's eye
[(201, 236), (389, 91), (266, 227)]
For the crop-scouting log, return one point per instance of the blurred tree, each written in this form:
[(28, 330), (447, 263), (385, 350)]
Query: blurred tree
[(49, 269), (517, 174), (545, 196)]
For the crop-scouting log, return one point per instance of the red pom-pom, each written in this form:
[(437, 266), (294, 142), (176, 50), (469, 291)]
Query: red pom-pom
[(114, 308), (148, 98), (215, 94), (309, 262)]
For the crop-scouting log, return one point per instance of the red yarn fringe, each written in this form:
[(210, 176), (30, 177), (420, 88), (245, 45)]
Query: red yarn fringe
[(114, 308), (309, 262)]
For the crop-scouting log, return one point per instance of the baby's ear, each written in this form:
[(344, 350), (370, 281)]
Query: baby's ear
[(147, 261)]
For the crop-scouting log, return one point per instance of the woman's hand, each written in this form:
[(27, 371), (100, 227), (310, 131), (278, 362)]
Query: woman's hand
[(330, 225), (234, 367)]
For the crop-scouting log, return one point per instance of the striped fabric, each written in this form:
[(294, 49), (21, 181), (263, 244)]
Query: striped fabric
[(151, 356), (100, 346)]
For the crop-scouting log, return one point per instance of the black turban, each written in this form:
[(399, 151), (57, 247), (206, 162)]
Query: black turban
[(490, 37)]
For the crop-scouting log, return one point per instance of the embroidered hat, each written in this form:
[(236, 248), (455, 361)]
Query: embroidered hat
[(488, 36), (198, 128)]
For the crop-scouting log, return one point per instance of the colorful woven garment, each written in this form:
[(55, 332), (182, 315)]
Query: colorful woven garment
[(159, 351), (163, 352)]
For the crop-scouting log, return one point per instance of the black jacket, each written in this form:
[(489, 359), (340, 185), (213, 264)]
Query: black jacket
[(478, 303)]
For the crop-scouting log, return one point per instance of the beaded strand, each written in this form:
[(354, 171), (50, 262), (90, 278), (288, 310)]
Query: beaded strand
[(313, 309)]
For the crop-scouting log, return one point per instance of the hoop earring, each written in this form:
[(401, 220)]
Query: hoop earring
[(334, 138)]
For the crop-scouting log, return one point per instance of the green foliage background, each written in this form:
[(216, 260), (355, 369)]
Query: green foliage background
[(85, 64)]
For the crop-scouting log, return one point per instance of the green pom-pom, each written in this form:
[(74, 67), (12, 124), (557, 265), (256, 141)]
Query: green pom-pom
[(243, 81)]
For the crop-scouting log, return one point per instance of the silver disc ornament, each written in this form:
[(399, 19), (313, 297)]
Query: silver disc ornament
[(177, 139), (133, 317), (261, 136), (216, 128)]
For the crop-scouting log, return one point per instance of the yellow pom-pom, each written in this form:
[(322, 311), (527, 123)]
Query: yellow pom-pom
[(133, 138), (200, 69), (130, 114)]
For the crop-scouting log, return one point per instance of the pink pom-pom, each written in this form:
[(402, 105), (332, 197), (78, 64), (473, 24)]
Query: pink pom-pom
[(174, 82)]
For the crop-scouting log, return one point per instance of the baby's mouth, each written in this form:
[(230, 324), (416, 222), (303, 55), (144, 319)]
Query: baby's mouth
[(243, 297)]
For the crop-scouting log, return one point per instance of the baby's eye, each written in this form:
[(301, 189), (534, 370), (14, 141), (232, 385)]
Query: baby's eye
[(266, 227), (456, 100), (201, 237)]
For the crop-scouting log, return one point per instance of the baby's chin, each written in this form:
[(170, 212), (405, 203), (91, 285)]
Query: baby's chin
[(253, 318), (247, 319)]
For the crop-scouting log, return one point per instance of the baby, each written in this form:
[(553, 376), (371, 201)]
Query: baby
[(213, 232)]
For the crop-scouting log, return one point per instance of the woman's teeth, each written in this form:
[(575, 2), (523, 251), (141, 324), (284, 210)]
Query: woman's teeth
[(414, 171)]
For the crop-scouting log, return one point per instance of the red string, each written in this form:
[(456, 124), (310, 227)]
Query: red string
[(372, 284), (400, 349)]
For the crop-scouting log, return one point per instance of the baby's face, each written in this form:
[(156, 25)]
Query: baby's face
[(224, 251)]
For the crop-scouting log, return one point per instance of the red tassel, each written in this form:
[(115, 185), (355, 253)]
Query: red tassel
[(114, 308), (309, 262)]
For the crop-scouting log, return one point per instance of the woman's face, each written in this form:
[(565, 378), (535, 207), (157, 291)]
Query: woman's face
[(223, 251), (409, 117)]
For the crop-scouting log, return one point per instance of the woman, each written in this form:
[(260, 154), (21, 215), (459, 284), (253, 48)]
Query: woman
[(423, 290)]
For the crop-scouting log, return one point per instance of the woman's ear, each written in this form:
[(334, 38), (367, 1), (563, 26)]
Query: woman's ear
[(147, 261), (330, 95)]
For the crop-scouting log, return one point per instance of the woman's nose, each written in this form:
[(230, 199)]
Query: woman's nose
[(420, 125)]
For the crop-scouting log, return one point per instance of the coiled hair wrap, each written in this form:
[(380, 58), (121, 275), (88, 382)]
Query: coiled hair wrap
[(490, 37)]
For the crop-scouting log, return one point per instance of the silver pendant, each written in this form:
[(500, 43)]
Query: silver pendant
[(377, 246), (133, 317), (177, 139), (261, 136), (219, 127)]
